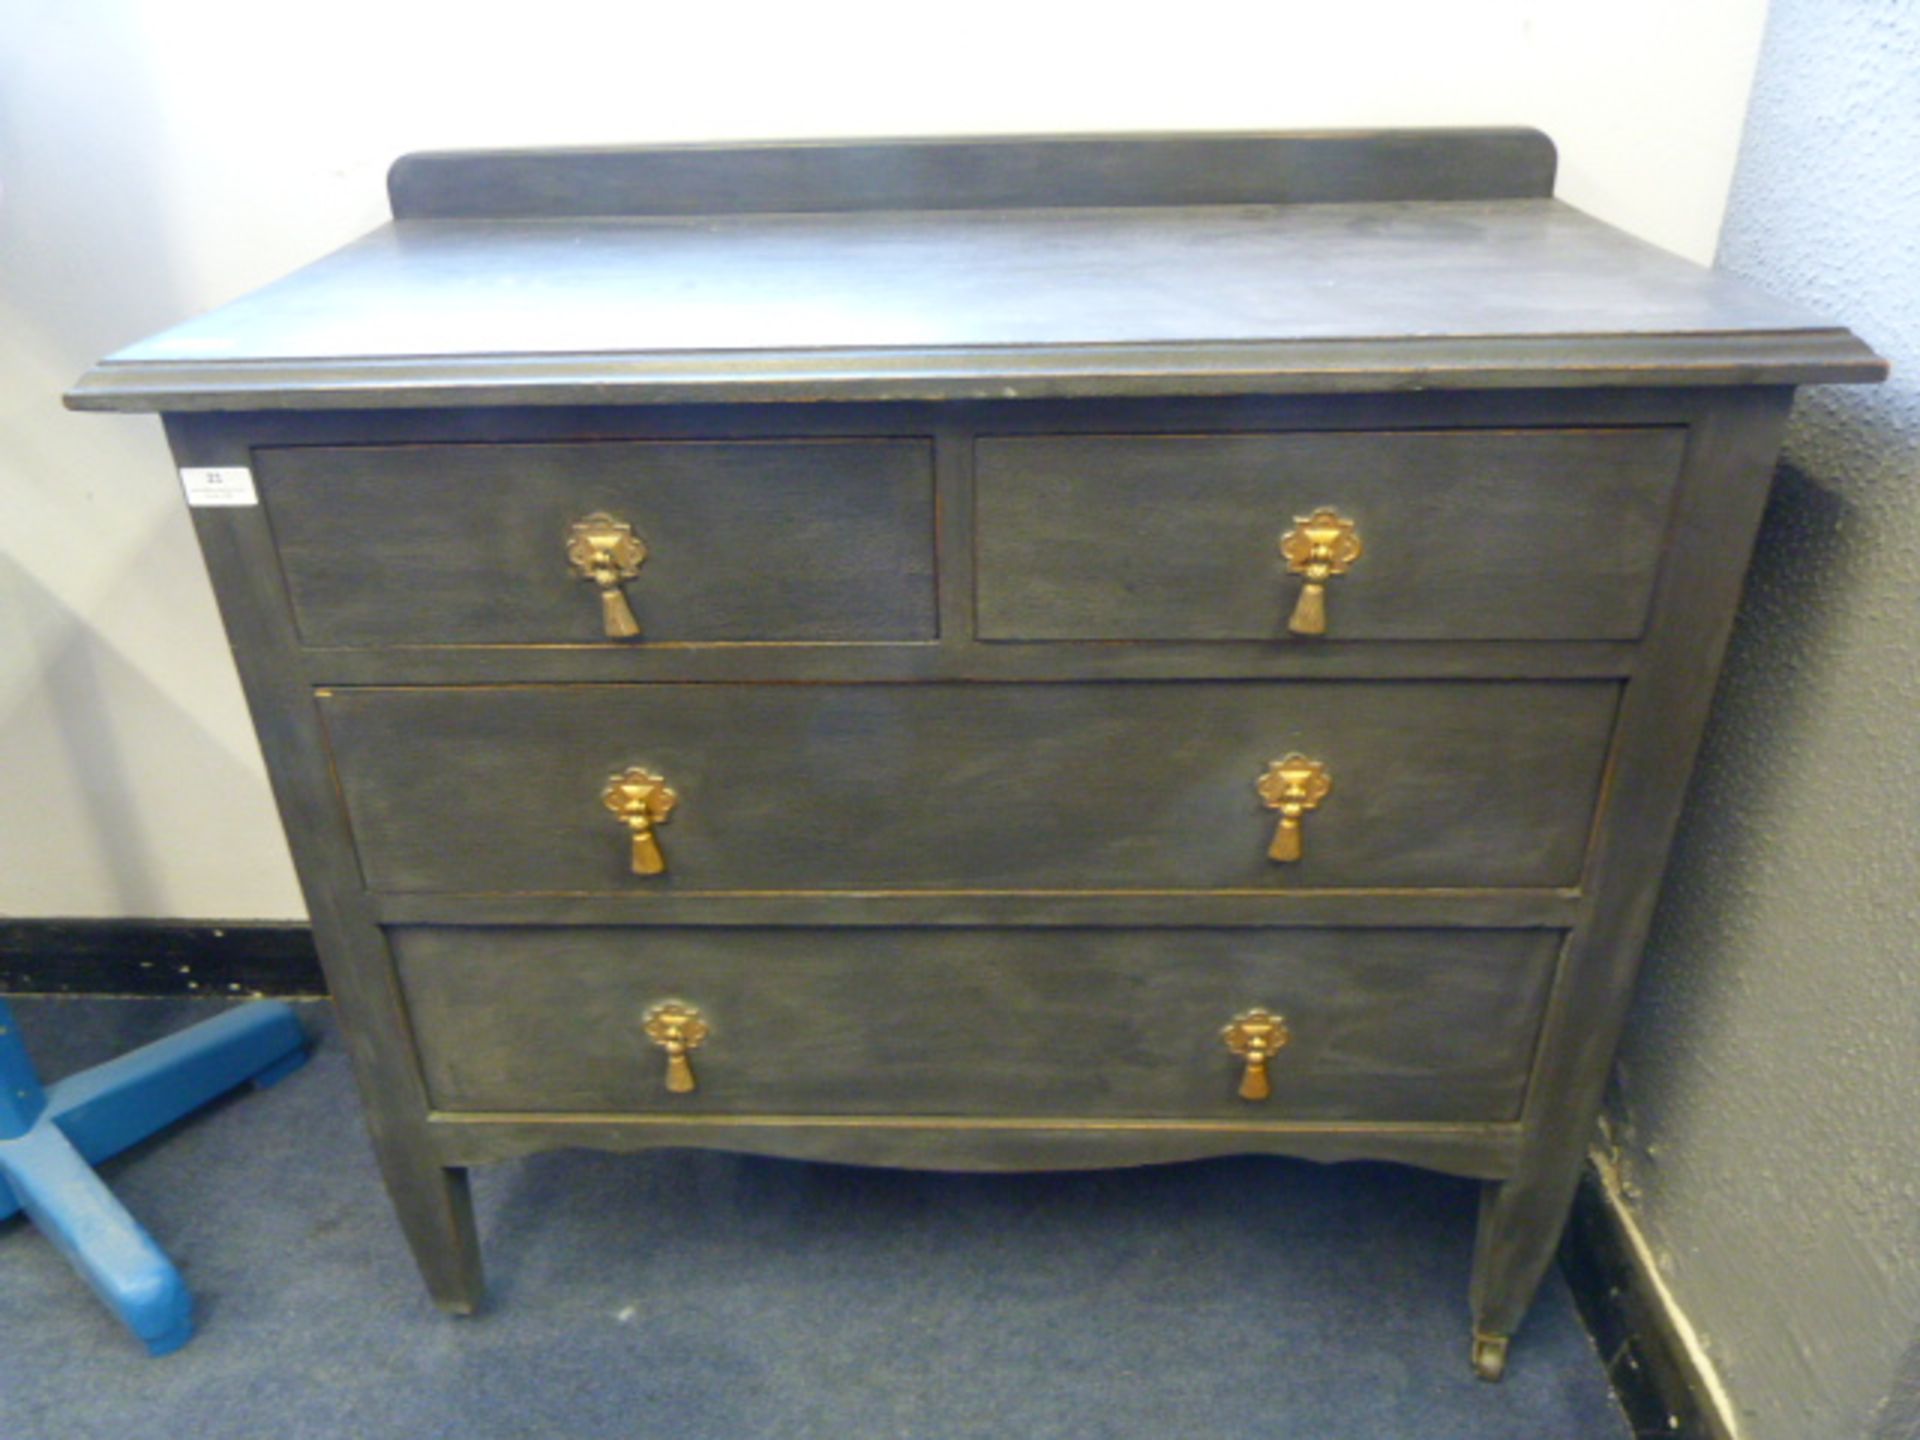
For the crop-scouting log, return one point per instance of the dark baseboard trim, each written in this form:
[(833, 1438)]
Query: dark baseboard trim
[(157, 957), (1652, 1372)]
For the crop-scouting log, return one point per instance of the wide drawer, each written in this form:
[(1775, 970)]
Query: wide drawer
[(971, 786), (799, 540), (1381, 1024), (1464, 535)]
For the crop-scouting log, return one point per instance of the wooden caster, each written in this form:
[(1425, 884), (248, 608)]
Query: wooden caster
[(1489, 1356)]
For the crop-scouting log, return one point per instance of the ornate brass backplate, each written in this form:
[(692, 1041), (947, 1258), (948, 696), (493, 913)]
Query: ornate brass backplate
[(606, 551), (677, 1028), (1256, 1036), (1294, 786), (1319, 546), (642, 800)]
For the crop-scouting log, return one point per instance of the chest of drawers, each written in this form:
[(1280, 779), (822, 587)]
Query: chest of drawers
[(984, 654)]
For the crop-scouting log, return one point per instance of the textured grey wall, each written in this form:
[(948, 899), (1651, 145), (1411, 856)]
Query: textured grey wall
[(1768, 1097)]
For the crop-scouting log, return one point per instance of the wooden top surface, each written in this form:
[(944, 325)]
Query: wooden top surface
[(978, 303)]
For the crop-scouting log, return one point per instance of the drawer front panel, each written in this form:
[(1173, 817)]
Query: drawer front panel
[(1466, 535), (1383, 1025), (971, 786), (467, 544)]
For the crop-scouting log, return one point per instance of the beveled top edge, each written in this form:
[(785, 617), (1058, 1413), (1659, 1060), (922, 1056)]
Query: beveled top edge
[(1828, 356), (976, 172)]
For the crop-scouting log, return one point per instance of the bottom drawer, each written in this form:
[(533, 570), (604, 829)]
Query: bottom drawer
[(1383, 1025)]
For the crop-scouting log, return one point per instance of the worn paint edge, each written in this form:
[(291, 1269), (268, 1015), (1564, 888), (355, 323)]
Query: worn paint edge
[(193, 959)]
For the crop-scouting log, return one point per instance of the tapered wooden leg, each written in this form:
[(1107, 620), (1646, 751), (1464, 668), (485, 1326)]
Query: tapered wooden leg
[(1520, 1224), (435, 1208)]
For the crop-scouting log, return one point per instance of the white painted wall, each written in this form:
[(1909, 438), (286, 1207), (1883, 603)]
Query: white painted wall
[(1763, 1106), (157, 159)]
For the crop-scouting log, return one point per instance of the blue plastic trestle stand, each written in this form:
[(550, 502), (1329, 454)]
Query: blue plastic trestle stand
[(51, 1138)]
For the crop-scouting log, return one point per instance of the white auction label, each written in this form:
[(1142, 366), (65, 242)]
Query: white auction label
[(219, 485)]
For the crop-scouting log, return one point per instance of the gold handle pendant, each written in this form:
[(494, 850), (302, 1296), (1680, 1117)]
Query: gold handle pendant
[(678, 1029), (1294, 786), (1319, 546), (1256, 1036), (607, 552), (642, 800)]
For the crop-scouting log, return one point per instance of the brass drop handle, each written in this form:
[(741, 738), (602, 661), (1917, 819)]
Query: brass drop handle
[(1256, 1036), (677, 1028), (607, 552), (1319, 546), (1294, 786), (641, 800)]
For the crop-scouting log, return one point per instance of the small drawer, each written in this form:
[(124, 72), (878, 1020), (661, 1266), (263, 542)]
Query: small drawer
[(1378, 1025), (802, 540), (1022, 787), (1461, 535)]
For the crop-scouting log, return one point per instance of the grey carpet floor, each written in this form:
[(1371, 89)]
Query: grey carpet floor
[(691, 1295)]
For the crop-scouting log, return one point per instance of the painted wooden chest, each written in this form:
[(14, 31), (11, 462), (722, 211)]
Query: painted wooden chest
[(985, 654)]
